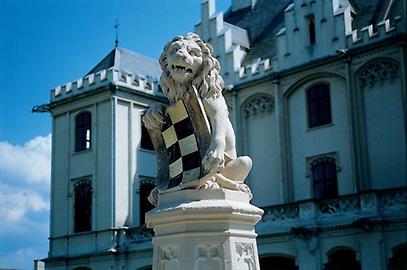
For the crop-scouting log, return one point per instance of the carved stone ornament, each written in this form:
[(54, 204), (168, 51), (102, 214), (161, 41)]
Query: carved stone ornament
[(209, 257), (245, 257), (193, 136), (278, 213), (168, 258), (258, 105), (340, 206), (378, 72)]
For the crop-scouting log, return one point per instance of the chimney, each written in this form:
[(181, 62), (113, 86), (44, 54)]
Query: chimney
[(240, 4)]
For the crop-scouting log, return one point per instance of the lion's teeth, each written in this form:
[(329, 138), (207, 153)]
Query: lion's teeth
[(179, 68)]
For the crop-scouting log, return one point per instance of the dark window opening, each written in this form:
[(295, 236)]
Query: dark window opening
[(319, 105), (146, 142), (83, 207), (311, 29), (342, 259), (399, 259), (278, 263), (324, 180), (83, 127), (145, 205)]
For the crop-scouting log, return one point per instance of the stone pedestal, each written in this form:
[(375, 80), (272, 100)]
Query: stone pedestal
[(204, 230)]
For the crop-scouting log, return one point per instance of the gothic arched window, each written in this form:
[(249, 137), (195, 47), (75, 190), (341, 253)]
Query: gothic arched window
[(319, 105), (83, 128), (278, 263), (342, 259), (324, 179), (146, 142), (398, 261), (145, 188), (82, 206)]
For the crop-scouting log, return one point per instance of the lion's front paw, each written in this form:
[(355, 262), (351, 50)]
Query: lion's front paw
[(245, 188), (154, 117), (214, 161)]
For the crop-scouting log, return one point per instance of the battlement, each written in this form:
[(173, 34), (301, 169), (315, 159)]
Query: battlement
[(230, 42), (105, 78), (373, 32), (311, 30), (255, 70)]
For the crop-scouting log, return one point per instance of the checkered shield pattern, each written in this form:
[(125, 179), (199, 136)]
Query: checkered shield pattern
[(184, 159), (182, 142)]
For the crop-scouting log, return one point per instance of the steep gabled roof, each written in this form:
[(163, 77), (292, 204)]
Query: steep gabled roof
[(375, 11), (262, 23), (267, 18), (129, 62)]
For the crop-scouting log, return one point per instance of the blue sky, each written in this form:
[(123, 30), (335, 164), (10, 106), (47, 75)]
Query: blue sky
[(45, 43)]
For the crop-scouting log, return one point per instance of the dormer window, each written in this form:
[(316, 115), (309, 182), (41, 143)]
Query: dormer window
[(311, 30), (83, 127)]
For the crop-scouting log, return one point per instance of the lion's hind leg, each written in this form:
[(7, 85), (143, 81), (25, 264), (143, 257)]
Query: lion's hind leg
[(238, 169)]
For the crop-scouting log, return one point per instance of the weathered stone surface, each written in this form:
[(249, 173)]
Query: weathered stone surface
[(193, 136), (204, 229)]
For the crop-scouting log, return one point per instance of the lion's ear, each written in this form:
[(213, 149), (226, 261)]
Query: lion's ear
[(210, 48)]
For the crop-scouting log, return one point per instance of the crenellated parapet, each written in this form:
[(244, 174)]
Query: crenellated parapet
[(229, 41), (313, 29), (255, 70), (373, 32), (105, 78)]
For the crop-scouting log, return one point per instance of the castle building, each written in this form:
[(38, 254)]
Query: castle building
[(316, 91)]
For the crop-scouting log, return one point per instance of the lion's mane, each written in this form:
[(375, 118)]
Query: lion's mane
[(207, 81)]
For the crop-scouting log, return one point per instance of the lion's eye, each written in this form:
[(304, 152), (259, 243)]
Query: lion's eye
[(194, 53)]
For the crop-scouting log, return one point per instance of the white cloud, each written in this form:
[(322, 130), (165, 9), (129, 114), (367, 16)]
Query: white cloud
[(14, 203), (25, 258), (30, 162), (24, 207)]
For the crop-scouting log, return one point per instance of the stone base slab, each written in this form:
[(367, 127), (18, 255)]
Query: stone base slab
[(204, 229)]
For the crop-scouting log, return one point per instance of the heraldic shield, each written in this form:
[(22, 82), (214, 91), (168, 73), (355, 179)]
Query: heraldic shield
[(181, 143)]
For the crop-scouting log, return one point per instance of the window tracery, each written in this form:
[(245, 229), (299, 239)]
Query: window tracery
[(258, 105), (378, 72)]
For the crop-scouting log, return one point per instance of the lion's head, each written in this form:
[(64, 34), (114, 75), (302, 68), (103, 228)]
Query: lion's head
[(187, 62)]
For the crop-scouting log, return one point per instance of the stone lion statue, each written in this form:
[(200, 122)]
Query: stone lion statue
[(187, 63)]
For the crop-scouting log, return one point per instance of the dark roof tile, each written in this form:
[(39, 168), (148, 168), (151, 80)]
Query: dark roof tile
[(129, 62), (262, 24), (267, 18)]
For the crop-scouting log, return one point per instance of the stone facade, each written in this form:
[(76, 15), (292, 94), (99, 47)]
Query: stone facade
[(269, 68)]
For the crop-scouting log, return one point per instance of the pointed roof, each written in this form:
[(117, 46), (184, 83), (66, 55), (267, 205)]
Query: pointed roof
[(129, 62)]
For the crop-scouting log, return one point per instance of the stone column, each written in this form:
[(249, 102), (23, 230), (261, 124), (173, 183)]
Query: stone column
[(201, 229)]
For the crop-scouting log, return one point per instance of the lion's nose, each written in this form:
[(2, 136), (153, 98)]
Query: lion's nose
[(181, 55)]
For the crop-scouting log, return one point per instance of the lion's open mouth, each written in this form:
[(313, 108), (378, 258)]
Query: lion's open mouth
[(181, 68)]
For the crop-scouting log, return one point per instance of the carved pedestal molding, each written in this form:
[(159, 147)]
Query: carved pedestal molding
[(204, 229)]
